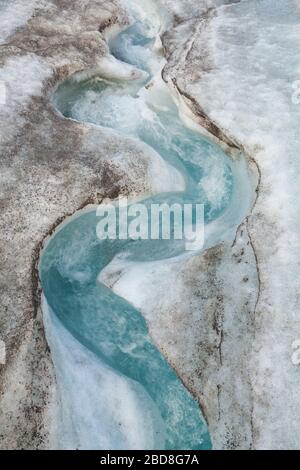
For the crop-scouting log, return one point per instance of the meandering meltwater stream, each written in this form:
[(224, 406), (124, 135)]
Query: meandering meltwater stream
[(93, 322)]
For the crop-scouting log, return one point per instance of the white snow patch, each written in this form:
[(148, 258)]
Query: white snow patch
[(22, 78), (110, 68), (15, 13)]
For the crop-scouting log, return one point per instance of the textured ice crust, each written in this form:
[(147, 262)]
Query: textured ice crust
[(15, 13), (18, 92), (244, 82), (50, 167), (248, 91)]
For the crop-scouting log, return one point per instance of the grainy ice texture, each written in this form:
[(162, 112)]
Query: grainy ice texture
[(49, 168), (241, 67), (15, 13), (228, 325)]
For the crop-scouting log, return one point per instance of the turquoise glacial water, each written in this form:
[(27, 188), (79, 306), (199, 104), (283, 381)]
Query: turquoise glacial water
[(99, 319)]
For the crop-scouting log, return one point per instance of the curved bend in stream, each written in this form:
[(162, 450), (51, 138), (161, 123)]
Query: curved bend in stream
[(117, 390)]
